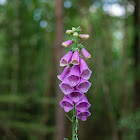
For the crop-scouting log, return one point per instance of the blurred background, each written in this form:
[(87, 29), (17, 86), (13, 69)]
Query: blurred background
[(31, 33)]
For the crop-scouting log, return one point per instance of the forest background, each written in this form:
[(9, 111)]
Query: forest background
[(31, 33)]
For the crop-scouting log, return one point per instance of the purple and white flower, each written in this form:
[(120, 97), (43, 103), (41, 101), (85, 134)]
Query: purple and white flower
[(85, 72), (83, 115), (74, 76), (83, 104), (67, 103), (66, 59), (65, 87), (76, 95), (85, 53), (84, 85), (75, 58), (67, 43), (64, 73)]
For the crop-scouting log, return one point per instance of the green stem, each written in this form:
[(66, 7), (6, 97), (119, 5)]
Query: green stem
[(75, 119), (74, 125)]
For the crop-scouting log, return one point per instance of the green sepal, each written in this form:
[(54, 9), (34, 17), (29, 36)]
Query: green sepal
[(74, 49), (80, 46), (65, 139), (70, 64), (78, 29)]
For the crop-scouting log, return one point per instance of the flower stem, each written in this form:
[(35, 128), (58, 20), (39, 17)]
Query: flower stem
[(75, 119), (74, 125)]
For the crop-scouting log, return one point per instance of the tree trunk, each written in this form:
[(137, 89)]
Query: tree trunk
[(60, 117), (136, 54)]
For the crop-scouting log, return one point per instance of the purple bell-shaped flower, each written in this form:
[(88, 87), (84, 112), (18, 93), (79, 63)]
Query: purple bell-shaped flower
[(85, 71), (66, 59), (83, 115), (83, 85), (76, 95), (74, 76), (85, 53), (64, 73), (67, 103), (75, 58), (65, 87), (83, 104)]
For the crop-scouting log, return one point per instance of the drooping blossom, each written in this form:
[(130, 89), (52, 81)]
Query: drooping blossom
[(84, 70), (67, 43), (67, 103), (85, 53), (75, 58), (84, 36), (64, 73), (83, 115), (65, 87), (76, 95), (74, 76), (68, 31), (83, 85), (66, 59), (83, 104)]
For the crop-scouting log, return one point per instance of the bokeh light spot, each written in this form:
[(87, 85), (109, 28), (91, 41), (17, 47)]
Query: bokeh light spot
[(43, 23), (2, 2), (67, 4)]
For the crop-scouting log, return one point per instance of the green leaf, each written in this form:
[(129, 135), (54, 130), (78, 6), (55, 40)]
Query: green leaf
[(69, 118)]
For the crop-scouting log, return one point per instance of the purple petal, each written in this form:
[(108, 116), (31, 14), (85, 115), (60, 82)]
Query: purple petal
[(64, 73), (76, 95), (85, 53), (85, 71), (65, 87), (82, 105), (75, 58), (84, 85), (74, 76), (83, 115), (66, 59), (67, 104)]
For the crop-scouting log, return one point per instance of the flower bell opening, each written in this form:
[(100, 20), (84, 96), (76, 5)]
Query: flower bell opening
[(83, 115), (66, 59), (76, 95), (75, 58), (83, 86), (65, 87), (67, 104), (85, 71), (83, 104)]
